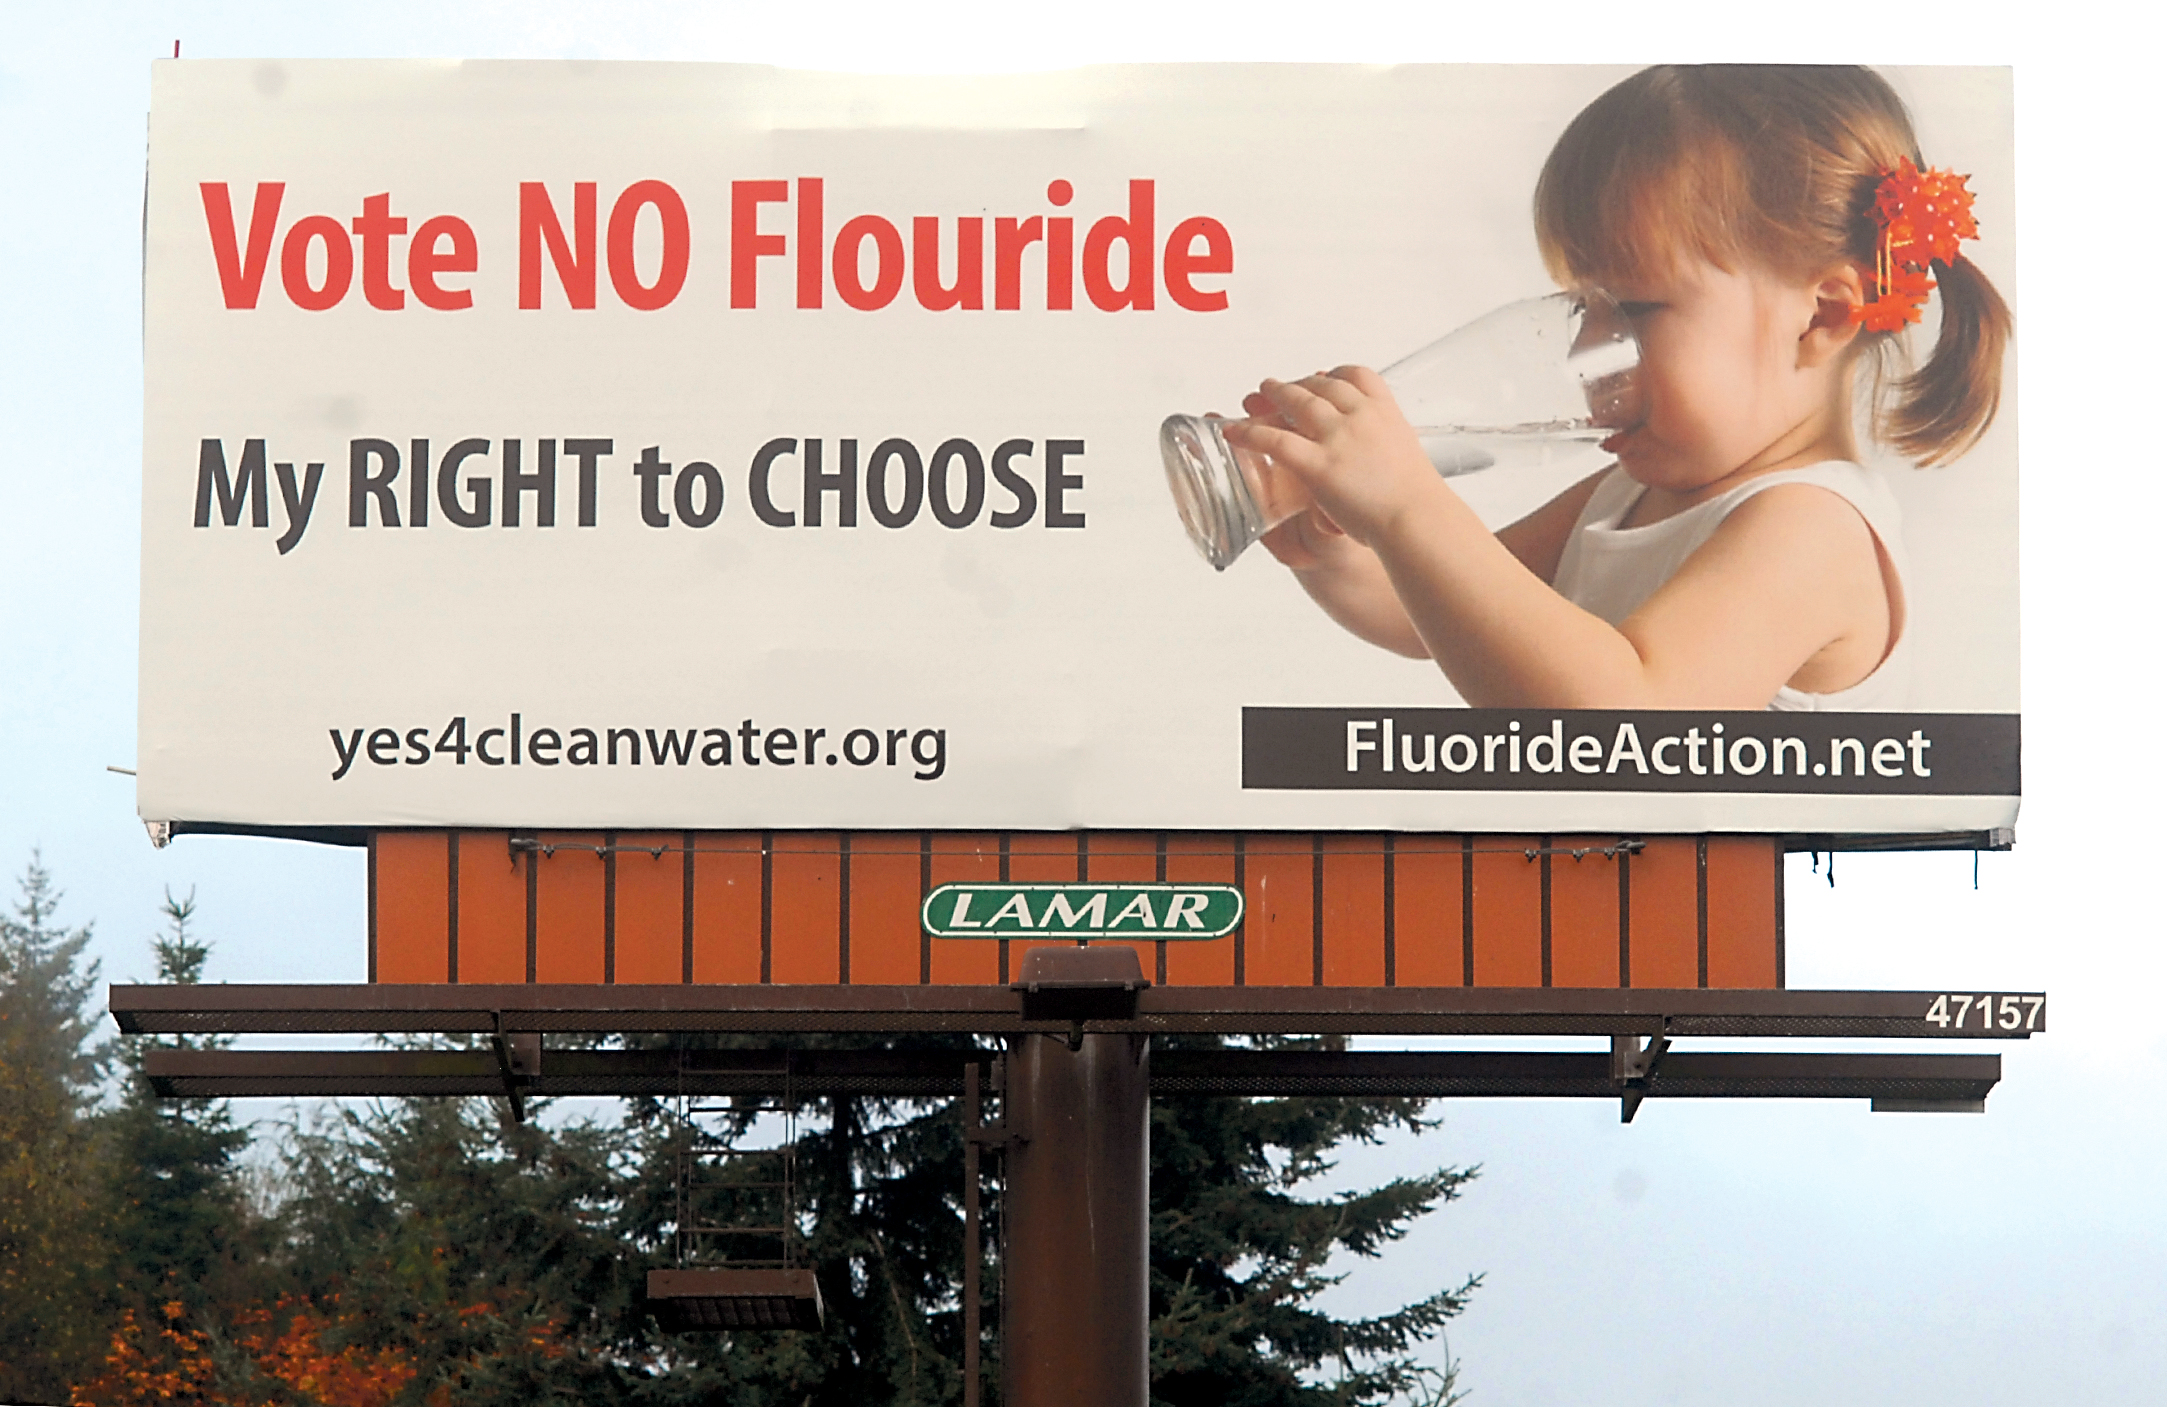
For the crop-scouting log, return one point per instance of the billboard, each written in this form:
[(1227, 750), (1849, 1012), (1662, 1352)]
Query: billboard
[(664, 445)]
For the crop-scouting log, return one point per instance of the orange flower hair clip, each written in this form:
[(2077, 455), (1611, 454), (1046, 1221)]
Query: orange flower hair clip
[(1923, 216)]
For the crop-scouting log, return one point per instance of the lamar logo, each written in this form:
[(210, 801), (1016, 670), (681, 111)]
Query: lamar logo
[(1148, 911)]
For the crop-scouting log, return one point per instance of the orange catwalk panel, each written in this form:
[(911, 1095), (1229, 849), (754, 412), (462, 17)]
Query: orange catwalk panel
[(1508, 911), (1205, 858), (646, 920), (1662, 947), (490, 900), (570, 909), (1321, 909), (1583, 910), (410, 906), (725, 894)]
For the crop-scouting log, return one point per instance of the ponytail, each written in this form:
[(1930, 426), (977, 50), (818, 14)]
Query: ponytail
[(1939, 411)]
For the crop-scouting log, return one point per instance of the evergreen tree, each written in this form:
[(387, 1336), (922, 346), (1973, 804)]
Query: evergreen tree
[(181, 1223), (51, 1232), (483, 1253), (49, 1019), (505, 1261), (50, 1245), (1238, 1257)]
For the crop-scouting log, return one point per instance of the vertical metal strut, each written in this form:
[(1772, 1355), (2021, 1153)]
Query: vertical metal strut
[(972, 1135)]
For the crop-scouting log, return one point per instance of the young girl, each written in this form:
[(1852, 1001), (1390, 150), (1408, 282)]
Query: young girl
[(1735, 556)]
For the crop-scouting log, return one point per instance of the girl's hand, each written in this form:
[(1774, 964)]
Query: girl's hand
[(1344, 436), (1307, 541)]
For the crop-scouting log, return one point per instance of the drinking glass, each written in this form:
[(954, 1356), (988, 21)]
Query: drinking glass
[(1515, 388)]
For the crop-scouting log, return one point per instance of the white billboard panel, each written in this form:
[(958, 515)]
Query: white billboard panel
[(699, 446)]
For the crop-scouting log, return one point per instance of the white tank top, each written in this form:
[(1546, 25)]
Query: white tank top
[(1610, 571)]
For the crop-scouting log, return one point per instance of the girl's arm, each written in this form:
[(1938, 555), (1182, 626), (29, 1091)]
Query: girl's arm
[(1349, 582), (1539, 539), (1791, 577)]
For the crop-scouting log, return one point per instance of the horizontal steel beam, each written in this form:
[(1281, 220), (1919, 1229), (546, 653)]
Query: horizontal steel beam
[(1454, 1011), (811, 1073), (1916, 1079), (1548, 1075)]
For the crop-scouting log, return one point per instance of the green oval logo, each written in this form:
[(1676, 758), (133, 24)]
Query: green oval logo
[(1154, 912)]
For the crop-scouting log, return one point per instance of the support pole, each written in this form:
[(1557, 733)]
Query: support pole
[(972, 1135), (1075, 1307)]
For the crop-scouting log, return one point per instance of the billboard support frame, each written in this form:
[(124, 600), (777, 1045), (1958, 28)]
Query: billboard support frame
[(1074, 1106)]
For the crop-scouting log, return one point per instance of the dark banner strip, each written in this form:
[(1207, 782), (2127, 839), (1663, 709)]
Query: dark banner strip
[(1588, 750)]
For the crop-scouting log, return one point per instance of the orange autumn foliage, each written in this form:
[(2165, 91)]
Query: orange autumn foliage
[(171, 1365), (351, 1377), (176, 1363)]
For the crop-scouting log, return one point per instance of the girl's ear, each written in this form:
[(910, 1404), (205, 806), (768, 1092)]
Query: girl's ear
[(1839, 289)]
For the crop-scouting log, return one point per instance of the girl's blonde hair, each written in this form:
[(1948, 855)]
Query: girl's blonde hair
[(1776, 165)]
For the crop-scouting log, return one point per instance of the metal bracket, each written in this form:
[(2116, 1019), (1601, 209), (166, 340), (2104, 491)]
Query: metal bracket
[(1632, 1065), (1078, 985), (979, 1131), (991, 1133), (519, 1063)]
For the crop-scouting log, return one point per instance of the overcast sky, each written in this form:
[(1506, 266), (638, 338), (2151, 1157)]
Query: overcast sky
[(1712, 1255)]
